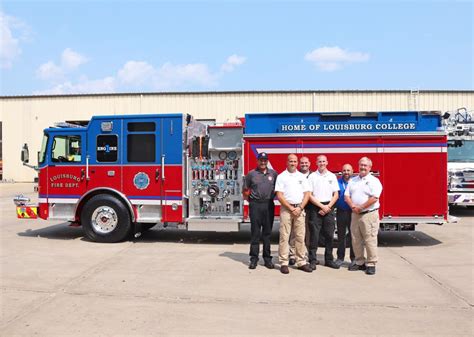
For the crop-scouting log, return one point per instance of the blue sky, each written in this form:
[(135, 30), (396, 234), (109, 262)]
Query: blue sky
[(66, 47)]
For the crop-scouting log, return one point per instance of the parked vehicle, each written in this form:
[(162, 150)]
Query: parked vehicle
[(117, 175), (460, 128)]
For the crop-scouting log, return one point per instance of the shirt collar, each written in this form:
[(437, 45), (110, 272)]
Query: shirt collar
[(322, 174), (260, 171)]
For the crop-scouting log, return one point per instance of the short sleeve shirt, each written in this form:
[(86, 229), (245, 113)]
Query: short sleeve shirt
[(292, 185), (360, 189), (260, 184), (341, 204), (323, 185)]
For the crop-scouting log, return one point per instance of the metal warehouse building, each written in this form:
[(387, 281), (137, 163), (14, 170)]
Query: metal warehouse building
[(24, 117)]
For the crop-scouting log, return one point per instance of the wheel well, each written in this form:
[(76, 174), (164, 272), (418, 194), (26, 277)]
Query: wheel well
[(85, 198)]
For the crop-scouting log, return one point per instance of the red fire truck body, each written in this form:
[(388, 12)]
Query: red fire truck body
[(120, 174)]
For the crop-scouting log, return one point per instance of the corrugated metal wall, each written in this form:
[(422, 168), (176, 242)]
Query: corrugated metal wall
[(24, 118)]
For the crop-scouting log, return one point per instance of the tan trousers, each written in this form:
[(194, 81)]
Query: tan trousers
[(288, 224), (306, 239), (364, 230)]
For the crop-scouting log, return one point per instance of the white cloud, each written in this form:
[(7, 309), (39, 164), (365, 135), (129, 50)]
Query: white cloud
[(136, 73), (170, 76), (334, 58), (133, 73), (84, 86), (12, 32), (232, 62), (70, 60), (167, 76), (49, 70)]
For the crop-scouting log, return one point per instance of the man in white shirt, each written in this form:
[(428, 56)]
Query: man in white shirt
[(362, 195), (292, 190), (305, 169), (324, 195)]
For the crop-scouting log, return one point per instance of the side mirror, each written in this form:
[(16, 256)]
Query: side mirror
[(25, 154)]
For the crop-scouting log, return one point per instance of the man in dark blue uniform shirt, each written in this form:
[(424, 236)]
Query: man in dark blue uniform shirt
[(259, 190), (343, 217)]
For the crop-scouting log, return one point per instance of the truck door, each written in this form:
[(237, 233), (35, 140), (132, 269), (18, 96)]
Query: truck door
[(104, 162), (172, 159), (66, 173), (142, 169)]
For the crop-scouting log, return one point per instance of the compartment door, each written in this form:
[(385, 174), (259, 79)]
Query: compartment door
[(172, 159), (142, 171)]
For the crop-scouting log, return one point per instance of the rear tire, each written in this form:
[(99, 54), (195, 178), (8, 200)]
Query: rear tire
[(105, 218)]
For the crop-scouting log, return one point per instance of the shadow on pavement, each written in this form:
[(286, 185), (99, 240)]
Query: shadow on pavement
[(238, 257), (401, 239), (63, 231), (60, 231), (181, 236), (462, 212), (244, 257)]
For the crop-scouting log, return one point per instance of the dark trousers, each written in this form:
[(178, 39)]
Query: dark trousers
[(261, 224), (343, 219), (324, 225)]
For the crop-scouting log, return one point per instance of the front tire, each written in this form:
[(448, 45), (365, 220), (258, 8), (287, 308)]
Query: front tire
[(104, 218)]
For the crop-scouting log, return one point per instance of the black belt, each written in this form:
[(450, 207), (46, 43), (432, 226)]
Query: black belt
[(295, 205), (372, 210)]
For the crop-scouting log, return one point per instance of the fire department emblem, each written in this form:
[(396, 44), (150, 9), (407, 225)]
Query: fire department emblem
[(141, 180)]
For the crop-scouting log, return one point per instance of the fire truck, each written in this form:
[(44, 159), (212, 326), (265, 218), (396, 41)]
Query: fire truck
[(118, 175), (459, 125)]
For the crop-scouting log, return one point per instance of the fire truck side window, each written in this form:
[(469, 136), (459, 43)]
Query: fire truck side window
[(66, 149), (141, 147), (141, 126), (107, 148), (42, 154)]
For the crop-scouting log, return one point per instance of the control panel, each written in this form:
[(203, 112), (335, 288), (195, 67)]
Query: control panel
[(215, 171)]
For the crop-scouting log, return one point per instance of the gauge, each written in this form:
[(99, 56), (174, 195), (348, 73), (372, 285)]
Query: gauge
[(232, 155), (213, 191), (222, 155)]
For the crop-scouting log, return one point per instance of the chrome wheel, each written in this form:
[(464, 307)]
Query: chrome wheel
[(104, 220)]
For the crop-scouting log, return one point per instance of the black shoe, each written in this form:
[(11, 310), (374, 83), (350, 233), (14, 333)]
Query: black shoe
[(284, 270), (253, 264), (292, 262), (370, 270), (269, 265), (356, 267), (305, 268), (332, 264), (313, 265)]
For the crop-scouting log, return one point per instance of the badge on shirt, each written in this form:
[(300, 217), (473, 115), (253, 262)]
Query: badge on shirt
[(270, 178)]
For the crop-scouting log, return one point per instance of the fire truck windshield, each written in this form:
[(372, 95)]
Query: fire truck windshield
[(41, 154), (461, 151)]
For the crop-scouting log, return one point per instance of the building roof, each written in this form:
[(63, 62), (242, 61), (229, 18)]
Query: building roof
[(164, 93)]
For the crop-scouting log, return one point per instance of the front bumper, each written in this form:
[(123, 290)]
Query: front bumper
[(24, 210), (27, 212)]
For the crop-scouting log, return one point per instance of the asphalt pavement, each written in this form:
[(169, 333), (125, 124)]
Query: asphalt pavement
[(54, 282)]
